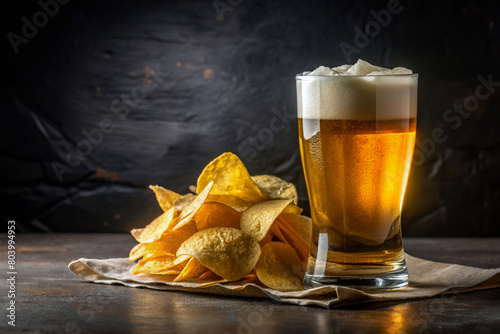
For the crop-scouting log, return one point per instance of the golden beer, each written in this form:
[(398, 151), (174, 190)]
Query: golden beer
[(356, 172)]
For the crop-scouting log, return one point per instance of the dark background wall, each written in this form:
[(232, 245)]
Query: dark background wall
[(99, 99)]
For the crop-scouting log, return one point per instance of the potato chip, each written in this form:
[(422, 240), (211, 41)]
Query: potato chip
[(226, 251), (268, 238), (230, 177), (165, 197), (301, 225), (182, 202), (188, 213), (276, 233), (209, 275), (294, 239), (213, 214), (158, 265), (157, 227), (182, 259), (238, 229), (150, 256), (280, 268), (250, 278), (204, 285), (172, 272), (192, 269), (231, 201), (292, 208), (189, 227), (141, 250), (275, 188), (258, 219), (167, 244)]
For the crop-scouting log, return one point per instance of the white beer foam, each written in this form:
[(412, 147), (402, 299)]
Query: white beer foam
[(357, 92)]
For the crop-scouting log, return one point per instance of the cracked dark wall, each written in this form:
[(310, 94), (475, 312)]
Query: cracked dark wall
[(149, 92)]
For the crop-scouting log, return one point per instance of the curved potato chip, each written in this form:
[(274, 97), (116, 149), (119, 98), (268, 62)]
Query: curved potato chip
[(189, 227), (230, 177), (167, 244), (231, 201), (250, 278), (212, 214), (256, 221), (173, 271), (141, 250), (268, 238), (182, 202), (149, 256), (165, 197), (157, 227), (188, 213), (159, 265), (292, 208), (275, 233), (209, 275), (276, 188), (300, 246), (204, 285), (192, 269), (181, 259), (280, 268), (226, 251), (301, 225)]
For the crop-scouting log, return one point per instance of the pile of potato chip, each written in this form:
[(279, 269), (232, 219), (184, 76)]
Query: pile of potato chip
[(238, 229)]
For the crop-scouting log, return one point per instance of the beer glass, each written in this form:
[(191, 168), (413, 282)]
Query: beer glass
[(357, 135)]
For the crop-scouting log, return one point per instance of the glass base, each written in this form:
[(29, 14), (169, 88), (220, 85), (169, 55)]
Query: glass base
[(386, 281)]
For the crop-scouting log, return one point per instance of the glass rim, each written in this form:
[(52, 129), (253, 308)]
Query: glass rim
[(335, 77)]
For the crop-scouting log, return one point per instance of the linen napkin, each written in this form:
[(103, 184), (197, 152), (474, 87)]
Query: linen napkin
[(426, 279)]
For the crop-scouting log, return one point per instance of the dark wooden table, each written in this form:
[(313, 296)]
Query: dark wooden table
[(50, 299)]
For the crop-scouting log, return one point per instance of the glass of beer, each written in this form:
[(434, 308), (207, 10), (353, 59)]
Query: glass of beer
[(357, 134)]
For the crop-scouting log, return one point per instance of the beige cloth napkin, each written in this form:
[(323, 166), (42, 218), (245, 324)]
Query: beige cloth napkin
[(426, 279)]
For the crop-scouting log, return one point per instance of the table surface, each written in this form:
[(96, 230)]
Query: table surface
[(51, 299)]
